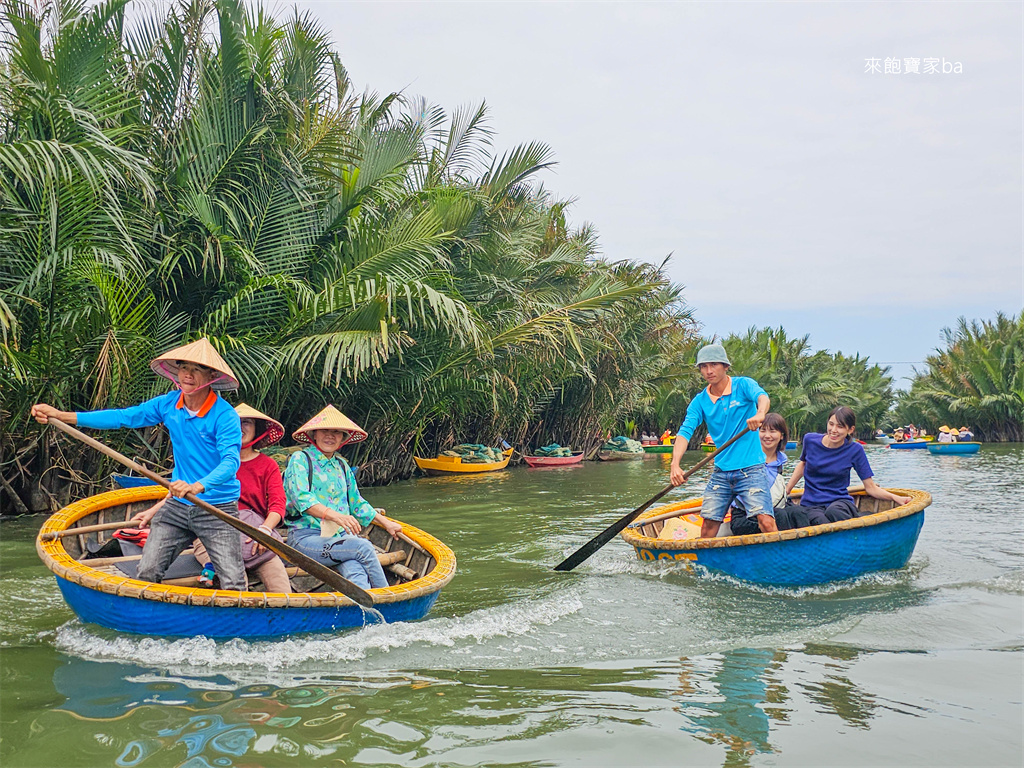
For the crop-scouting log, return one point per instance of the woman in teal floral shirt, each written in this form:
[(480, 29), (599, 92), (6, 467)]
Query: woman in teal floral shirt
[(325, 510)]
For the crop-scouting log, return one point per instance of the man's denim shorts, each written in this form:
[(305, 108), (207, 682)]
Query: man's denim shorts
[(747, 486)]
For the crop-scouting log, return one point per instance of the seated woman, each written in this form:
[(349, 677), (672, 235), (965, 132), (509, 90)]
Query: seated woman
[(944, 436), (325, 510), (774, 436), (825, 465), (261, 503)]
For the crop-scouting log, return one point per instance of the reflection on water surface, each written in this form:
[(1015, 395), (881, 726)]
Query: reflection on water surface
[(620, 663)]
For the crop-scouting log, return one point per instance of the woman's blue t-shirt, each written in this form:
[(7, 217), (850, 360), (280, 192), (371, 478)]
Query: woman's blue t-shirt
[(827, 470)]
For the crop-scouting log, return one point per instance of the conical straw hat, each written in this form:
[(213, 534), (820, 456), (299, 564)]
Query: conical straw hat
[(273, 428), (943, 428), (330, 418), (201, 353)]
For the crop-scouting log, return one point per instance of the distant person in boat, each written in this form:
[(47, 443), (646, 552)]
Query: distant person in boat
[(728, 405), (944, 435), (966, 436), (825, 464), (954, 435), (205, 440), (666, 437), (325, 511), (708, 440), (261, 503), (774, 435)]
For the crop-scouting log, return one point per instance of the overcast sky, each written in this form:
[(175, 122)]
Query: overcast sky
[(793, 186)]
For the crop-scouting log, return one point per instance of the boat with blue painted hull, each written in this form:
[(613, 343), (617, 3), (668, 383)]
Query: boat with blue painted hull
[(417, 566), (953, 449), (882, 538), (910, 445)]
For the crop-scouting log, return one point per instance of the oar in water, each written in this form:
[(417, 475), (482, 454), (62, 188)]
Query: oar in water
[(619, 525), (331, 578)]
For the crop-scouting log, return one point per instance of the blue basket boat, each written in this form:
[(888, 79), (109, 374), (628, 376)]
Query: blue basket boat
[(791, 445), (418, 566), (910, 445), (882, 539), (953, 449), (131, 481)]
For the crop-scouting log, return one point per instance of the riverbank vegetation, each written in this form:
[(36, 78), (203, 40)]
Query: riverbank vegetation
[(212, 172), (976, 380)]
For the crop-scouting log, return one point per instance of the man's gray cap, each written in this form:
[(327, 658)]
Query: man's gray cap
[(712, 353)]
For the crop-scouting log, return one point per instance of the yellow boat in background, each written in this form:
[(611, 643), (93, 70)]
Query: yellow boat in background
[(454, 465)]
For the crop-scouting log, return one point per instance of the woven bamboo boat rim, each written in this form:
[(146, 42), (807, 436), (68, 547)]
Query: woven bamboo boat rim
[(64, 566), (918, 501)]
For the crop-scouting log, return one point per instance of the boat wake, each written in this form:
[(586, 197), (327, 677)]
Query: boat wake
[(378, 645)]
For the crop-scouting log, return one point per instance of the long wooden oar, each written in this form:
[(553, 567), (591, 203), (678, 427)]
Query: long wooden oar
[(619, 525), (328, 576)]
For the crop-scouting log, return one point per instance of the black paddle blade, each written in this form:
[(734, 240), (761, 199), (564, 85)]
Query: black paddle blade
[(607, 535)]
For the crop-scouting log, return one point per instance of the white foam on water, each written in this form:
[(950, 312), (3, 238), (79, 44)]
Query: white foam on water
[(515, 619)]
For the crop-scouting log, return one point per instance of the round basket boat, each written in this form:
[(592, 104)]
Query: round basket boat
[(882, 539), (910, 445), (953, 449), (101, 594)]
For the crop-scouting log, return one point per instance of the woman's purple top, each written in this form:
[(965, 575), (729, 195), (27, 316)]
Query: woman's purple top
[(827, 470)]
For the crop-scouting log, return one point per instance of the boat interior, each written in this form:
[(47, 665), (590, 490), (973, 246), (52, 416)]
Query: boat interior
[(403, 559), (866, 505)]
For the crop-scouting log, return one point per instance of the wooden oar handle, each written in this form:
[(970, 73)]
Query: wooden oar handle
[(703, 462), (54, 535)]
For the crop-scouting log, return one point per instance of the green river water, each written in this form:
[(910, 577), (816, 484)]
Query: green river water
[(619, 663)]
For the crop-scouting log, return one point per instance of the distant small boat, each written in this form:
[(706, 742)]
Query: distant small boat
[(554, 461), (952, 449), (131, 481), (913, 444), (454, 465), (619, 455), (707, 447), (659, 448), (791, 445), (884, 440)]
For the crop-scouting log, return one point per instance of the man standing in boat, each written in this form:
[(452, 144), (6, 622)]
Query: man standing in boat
[(727, 405), (206, 437)]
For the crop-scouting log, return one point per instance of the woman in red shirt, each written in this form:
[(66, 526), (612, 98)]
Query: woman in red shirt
[(261, 502)]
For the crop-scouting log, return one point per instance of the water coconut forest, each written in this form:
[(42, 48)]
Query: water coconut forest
[(211, 171)]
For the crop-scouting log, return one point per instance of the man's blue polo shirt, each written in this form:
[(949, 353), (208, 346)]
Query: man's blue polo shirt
[(725, 417), (206, 446)]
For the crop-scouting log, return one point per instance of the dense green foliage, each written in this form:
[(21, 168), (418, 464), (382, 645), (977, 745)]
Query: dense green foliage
[(976, 381), (805, 386), (210, 172)]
